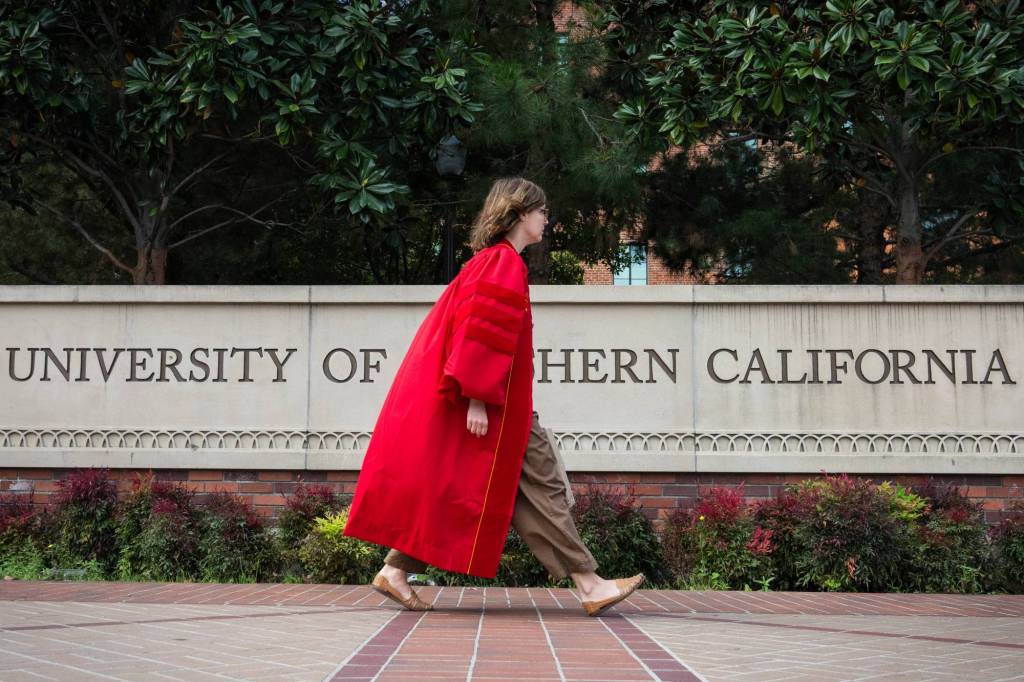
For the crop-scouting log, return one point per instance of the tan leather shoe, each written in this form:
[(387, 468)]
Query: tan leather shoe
[(626, 587), (413, 603)]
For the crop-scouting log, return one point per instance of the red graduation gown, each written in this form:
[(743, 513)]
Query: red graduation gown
[(428, 487)]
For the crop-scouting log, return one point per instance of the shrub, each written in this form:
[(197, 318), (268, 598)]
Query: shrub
[(615, 530), (22, 538), (612, 527), (329, 556), (851, 540), (302, 508), (905, 504), (233, 543), (16, 516), (23, 559), (1008, 551), (782, 515), (951, 552), (158, 532), (295, 521), (84, 526), (518, 567), (718, 544)]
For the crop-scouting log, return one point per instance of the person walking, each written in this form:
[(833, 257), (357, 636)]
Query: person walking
[(457, 454)]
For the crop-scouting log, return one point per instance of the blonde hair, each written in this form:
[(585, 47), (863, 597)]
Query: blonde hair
[(508, 198)]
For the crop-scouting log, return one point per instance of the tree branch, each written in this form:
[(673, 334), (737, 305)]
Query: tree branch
[(245, 217), (992, 248), (78, 226), (28, 274), (854, 142), (970, 213), (208, 207), (111, 27), (197, 171), (85, 169), (600, 138), (110, 71), (871, 185), (236, 140), (936, 157)]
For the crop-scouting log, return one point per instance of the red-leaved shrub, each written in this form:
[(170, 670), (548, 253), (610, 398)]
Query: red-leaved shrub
[(16, 511), (85, 520), (307, 503), (719, 544), (158, 531), (233, 545)]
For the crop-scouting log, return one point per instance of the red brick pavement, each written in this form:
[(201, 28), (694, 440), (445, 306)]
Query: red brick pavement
[(536, 633), (659, 602)]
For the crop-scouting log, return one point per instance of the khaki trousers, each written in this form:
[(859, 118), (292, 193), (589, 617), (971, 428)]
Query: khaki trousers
[(541, 515)]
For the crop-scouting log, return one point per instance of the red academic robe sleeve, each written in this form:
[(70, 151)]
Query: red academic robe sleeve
[(487, 322)]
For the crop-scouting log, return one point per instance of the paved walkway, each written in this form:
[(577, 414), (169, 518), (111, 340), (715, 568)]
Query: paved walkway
[(175, 631)]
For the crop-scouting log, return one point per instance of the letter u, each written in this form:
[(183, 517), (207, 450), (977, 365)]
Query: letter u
[(12, 355)]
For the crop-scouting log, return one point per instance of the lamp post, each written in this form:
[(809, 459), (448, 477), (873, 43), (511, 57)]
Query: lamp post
[(450, 162)]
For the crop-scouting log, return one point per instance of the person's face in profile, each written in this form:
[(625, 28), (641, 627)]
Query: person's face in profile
[(532, 224)]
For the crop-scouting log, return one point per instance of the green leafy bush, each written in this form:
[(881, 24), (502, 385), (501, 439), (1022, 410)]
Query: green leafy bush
[(718, 544), (234, 545), (84, 527), (23, 559), (904, 504), (851, 540), (518, 567), (834, 533), (610, 524), (158, 532), (302, 508), (951, 552), (330, 556), (613, 527), (1008, 551), (22, 538)]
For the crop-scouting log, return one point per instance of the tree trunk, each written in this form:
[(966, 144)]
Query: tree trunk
[(871, 219), (151, 239), (909, 254), (151, 267), (539, 262), (544, 11)]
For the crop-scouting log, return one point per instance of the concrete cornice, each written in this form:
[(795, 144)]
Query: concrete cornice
[(603, 294)]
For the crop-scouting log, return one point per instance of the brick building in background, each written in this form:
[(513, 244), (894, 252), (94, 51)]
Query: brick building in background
[(571, 21), (650, 270)]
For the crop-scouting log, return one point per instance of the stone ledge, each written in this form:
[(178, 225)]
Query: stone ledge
[(588, 461), (427, 294)]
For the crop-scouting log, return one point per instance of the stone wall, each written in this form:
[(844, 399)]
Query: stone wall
[(247, 388)]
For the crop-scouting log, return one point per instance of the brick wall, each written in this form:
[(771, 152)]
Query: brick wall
[(597, 274), (657, 493)]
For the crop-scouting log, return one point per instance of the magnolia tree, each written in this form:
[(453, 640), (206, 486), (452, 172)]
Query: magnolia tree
[(885, 91), (147, 102)]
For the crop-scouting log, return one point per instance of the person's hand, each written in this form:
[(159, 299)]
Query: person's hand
[(476, 417)]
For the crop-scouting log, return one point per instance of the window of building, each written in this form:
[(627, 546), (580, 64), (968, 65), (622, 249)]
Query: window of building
[(750, 144), (562, 48), (636, 272)]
